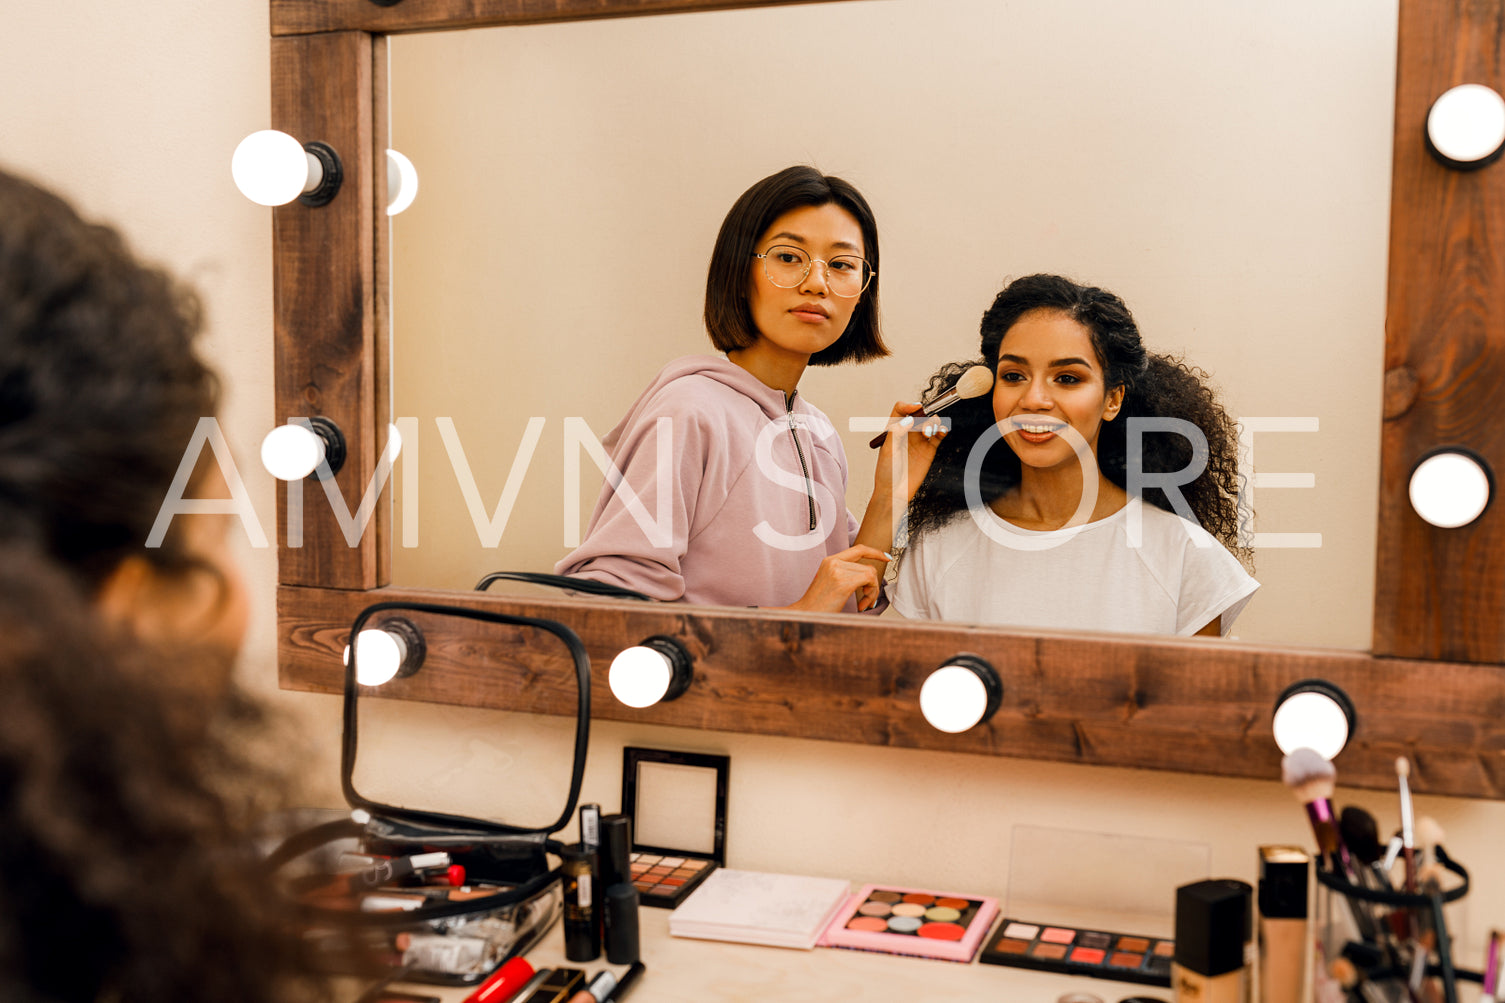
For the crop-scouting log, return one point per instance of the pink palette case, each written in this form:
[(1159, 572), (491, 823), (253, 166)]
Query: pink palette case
[(915, 921)]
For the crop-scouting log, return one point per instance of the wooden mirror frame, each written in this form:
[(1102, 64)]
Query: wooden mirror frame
[(1432, 688)]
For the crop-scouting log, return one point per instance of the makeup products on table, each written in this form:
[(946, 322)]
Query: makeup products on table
[(751, 907), (928, 924), (619, 901), (582, 919), (1094, 904), (598, 989), (504, 983), (1213, 928), (557, 986), (626, 982), (677, 804), (621, 924), (1100, 954), (1283, 882)]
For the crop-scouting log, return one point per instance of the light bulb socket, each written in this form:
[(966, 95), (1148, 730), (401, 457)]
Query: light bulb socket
[(329, 185), (412, 641), (334, 447), (681, 666), (1321, 687), (984, 671)]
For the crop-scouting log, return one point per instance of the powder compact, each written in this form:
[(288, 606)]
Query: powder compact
[(677, 804)]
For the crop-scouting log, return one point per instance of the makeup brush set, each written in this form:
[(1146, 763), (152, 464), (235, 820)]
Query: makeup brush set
[(1382, 928)]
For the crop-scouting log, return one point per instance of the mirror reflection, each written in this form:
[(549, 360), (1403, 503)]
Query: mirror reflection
[(1225, 170)]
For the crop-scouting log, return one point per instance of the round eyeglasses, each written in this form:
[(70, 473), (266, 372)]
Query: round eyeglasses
[(786, 267)]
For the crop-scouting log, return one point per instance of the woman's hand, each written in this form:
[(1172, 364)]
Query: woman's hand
[(855, 570), (918, 437)]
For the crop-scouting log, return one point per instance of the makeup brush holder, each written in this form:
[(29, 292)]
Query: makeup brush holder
[(1384, 960)]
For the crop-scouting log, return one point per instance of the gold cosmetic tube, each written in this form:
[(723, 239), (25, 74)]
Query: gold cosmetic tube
[(1283, 937)]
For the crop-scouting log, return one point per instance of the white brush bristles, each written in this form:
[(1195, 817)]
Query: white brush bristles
[(974, 382), (1308, 775)]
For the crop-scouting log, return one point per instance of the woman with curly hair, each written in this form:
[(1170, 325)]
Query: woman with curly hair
[(123, 804), (1114, 505)]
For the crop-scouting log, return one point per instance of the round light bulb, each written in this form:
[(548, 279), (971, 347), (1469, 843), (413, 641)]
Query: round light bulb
[(1466, 125), (291, 452), (1311, 720), (402, 182), (953, 699), (270, 167), (1449, 489), (379, 654), (640, 676), (394, 439)]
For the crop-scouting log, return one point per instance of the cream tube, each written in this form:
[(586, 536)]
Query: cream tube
[(1283, 876)]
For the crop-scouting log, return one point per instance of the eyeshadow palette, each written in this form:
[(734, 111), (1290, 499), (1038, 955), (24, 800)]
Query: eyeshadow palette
[(912, 921), (662, 880), (677, 804), (1066, 949)]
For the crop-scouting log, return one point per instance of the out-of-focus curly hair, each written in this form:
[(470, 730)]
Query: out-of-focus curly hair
[(124, 873), (1155, 386), (100, 387)]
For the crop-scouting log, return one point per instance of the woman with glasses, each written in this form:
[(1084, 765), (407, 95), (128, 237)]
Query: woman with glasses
[(729, 487), (1111, 502)]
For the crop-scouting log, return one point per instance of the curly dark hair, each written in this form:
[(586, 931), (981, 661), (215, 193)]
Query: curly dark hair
[(1155, 386), (100, 387), (126, 877)]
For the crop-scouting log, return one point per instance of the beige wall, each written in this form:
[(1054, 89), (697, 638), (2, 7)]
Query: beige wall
[(133, 114)]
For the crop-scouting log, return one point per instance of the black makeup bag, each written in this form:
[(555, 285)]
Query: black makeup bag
[(427, 932)]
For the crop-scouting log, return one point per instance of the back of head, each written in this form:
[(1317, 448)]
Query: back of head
[(100, 388), (125, 876)]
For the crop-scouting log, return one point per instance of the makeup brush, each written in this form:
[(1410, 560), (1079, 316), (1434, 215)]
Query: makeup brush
[(973, 383), (1407, 821), (1312, 778), (1357, 829)]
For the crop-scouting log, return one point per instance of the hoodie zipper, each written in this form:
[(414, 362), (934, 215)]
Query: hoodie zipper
[(800, 452)]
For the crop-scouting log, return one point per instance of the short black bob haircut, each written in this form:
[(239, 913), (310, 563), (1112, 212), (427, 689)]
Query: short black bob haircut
[(728, 319)]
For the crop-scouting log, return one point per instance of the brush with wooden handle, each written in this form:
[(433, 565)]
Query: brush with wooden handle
[(973, 383)]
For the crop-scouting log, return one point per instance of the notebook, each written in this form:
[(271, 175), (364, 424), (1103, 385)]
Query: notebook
[(750, 907)]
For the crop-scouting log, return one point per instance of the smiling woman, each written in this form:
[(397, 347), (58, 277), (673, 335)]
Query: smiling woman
[(1120, 466)]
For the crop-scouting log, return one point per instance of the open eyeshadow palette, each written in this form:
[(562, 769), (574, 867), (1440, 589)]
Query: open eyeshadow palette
[(664, 881), (912, 921), (1071, 951), (677, 804)]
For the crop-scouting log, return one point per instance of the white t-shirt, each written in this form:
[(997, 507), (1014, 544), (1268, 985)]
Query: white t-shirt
[(1090, 577)]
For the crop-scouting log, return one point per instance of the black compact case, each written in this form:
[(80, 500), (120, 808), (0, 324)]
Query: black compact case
[(664, 875), (512, 890)]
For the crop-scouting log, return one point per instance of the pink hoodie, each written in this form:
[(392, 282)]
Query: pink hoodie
[(734, 506)]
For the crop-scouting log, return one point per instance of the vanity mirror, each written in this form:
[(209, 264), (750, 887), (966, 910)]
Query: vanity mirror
[(1122, 700)]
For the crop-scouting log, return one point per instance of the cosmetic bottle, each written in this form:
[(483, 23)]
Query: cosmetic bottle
[(582, 921), (1213, 928), (621, 924), (616, 850), (1283, 872)]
